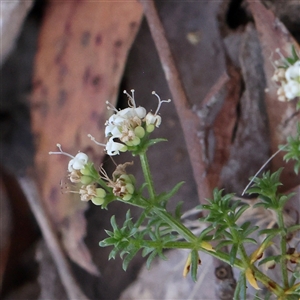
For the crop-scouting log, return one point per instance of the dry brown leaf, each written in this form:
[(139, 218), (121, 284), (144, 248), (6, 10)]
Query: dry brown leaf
[(282, 116), (80, 59)]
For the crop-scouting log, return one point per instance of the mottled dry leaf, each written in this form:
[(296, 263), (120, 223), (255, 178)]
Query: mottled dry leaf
[(221, 131), (282, 116), (81, 54)]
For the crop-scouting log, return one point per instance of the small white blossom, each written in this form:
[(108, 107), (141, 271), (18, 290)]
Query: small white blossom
[(152, 119), (77, 162), (293, 72), (114, 148), (292, 89), (281, 95)]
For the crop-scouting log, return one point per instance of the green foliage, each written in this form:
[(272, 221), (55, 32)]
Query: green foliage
[(293, 149)]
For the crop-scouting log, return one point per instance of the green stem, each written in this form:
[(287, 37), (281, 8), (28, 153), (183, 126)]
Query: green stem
[(261, 277), (176, 225), (147, 175), (267, 282), (283, 250)]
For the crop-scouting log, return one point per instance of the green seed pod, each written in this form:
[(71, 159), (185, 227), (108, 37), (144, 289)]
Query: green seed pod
[(97, 200), (127, 197), (130, 188), (150, 128), (139, 131), (86, 180), (136, 141), (101, 192)]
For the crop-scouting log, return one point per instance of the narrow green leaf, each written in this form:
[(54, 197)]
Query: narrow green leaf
[(233, 253), (271, 231), (250, 230), (223, 244), (250, 240), (276, 258), (194, 264), (154, 141), (178, 209), (171, 193), (294, 54), (240, 290), (242, 209), (113, 223), (293, 228), (128, 258), (146, 251), (150, 259), (113, 253), (107, 242)]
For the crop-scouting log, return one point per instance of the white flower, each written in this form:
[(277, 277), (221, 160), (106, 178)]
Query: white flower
[(131, 112), (152, 119), (124, 118), (113, 148), (293, 72), (78, 162), (292, 89)]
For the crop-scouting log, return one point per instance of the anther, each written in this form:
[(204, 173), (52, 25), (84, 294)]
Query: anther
[(159, 102), (94, 140), (131, 101), (110, 106), (281, 56), (61, 151)]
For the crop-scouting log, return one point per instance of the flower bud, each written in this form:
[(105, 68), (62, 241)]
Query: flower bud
[(86, 179), (98, 200), (139, 131)]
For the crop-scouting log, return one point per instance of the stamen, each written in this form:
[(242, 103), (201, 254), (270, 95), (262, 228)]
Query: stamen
[(281, 56), (61, 151), (271, 61), (159, 102), (104, 175), (94, 140), (110, 107), (131, 101)]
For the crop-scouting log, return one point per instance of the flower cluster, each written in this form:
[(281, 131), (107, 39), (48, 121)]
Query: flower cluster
[(130, 125), (122, 183), (82, 171), (121, 186), (287, 75)]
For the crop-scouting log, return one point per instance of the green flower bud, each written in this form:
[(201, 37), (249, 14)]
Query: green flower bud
[(139, 131), (86, 180), (97, 200), (100, 192), (127, 197), (88, 169), (131, 179), (130, 188), (136, 141), (150, 128)]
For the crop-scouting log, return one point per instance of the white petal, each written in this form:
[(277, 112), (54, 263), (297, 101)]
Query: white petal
[(292, 89), (78, 162), (140, 112), (153, 119), (293, 71), (113, 148)]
